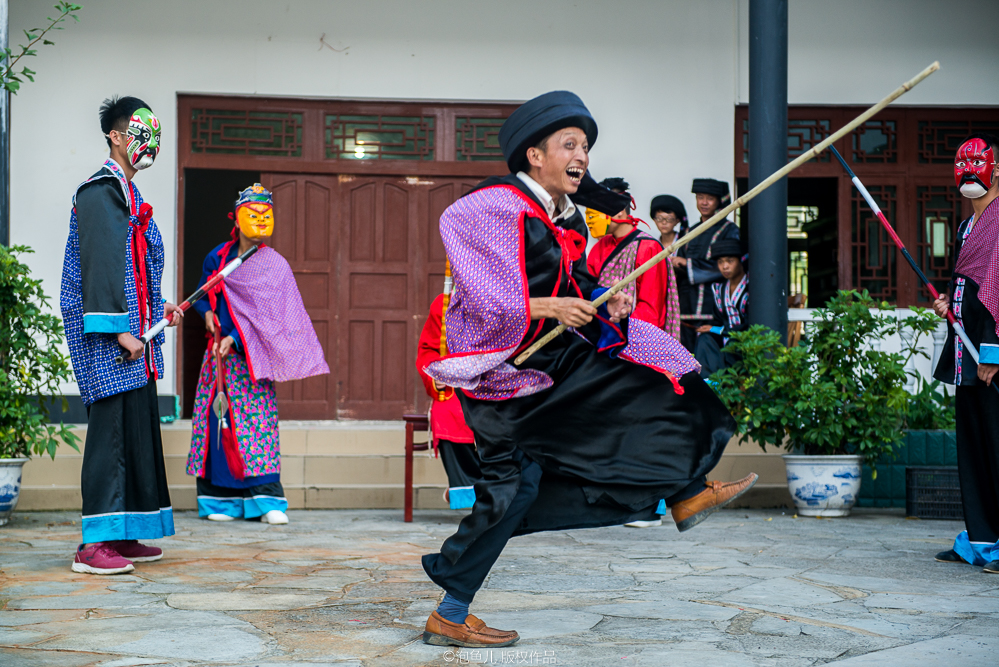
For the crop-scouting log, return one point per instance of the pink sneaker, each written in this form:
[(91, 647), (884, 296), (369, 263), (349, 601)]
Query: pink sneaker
[(135, 552), (100, 559)]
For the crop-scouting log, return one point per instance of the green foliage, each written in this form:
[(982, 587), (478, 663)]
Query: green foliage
[(31, 363), (12, 80), (831, 394), (931, 408)]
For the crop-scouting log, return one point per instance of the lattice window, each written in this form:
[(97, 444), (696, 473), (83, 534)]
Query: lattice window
[(872, 250), (940, 139), (802, 135), (379, 137), (938, 211), (876, 141), (477, 139), (275, 133)]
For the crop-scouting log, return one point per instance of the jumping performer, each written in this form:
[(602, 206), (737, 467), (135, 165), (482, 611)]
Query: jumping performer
[(973, 297), (111, 296), (595, 428), (259, 333)]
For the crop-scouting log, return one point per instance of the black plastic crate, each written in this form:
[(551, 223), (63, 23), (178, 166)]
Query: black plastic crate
[(933, 493)]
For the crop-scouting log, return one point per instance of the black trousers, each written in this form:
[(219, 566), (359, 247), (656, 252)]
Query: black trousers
[(461, 463), (464, 578), (123, 481), (978, 460)]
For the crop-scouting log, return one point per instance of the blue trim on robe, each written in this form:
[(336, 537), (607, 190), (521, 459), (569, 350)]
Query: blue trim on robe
[(975, 553), (128, 526), (241, 508), (461, 497), (988, 353), (112, 323), (718, 330), (661, 507)]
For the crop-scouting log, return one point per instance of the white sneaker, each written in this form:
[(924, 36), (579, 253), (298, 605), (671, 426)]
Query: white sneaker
[(220, 517), (644, 524), (275, 518)]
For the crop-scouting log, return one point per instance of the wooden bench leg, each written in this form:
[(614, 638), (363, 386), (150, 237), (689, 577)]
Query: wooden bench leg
[(408, 491)]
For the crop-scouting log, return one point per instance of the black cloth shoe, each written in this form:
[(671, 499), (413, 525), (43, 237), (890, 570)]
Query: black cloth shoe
[(991, 567), (949, 556)]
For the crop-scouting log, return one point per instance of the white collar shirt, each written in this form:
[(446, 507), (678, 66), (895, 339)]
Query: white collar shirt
[(547, 201)]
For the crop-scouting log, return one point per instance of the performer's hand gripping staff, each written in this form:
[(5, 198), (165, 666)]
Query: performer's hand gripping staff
[(202, 291), (722, 214), (958, 329)]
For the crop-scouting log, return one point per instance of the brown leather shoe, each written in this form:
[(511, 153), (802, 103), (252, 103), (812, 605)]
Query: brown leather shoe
[(473, 633), (692, 511)]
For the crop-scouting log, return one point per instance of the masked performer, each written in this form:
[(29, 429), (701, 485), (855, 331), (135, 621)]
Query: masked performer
[(451, 438), (596, 427), (670, 217), (729, 302), (259, 334), (622, 249), (695, 266), (110, 297), (973, 297)]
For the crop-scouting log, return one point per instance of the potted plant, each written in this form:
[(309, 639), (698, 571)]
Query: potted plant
[(834, 401), (32, 368)]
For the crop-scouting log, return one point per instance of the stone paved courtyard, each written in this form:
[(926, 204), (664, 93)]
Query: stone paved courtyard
[(747, 587)]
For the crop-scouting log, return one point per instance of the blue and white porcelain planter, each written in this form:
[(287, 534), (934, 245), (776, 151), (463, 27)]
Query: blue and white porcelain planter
[(10, 486), (823, 485)]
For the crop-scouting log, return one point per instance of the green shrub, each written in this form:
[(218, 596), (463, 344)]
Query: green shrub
[(833, 393), (31, 363)]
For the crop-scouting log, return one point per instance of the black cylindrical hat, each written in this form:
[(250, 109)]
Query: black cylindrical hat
[(669, 204), (710, 186), (536, 119), (726, 248)]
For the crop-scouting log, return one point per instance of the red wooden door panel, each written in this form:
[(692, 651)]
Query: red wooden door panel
[(380, 276), (306, 233)]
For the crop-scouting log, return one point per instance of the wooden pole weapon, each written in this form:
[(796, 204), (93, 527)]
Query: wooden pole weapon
[(741, 201)]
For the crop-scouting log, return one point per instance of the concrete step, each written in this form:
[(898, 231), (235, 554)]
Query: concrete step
[(348, 465)]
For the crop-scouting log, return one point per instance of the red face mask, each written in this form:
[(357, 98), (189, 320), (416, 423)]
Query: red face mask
[(973, 168)]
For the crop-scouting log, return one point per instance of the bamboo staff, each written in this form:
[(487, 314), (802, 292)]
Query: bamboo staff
[(741, 201)]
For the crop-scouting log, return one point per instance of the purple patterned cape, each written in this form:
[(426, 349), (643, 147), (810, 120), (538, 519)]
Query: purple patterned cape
[(979, 258), (489, 314), (281, 343)]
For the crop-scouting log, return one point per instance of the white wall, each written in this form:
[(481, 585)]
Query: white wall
[(661, 77)]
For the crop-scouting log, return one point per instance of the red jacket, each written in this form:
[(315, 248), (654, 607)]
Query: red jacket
[(446, 419), (650, 301)]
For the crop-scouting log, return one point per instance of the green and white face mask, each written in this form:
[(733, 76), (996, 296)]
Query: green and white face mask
[(143, 138)]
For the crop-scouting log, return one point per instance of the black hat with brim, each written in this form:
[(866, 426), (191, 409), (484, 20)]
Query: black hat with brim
[(669, 204), (536, 119), (709, 186), (726, 248)]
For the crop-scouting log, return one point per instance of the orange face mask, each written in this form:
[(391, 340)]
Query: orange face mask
[(597, 222), (255, 220)]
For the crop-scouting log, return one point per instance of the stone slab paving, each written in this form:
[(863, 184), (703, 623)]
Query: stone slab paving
[(345, 588)]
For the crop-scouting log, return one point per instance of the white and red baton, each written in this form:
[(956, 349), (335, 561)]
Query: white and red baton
[(201, 292)]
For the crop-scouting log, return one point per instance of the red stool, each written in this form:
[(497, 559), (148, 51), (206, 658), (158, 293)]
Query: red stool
[(413, 423)]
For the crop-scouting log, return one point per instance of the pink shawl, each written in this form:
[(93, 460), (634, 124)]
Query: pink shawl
[(281, 343)]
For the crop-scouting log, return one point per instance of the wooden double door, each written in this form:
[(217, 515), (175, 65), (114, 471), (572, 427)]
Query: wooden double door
[(368, 259)]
